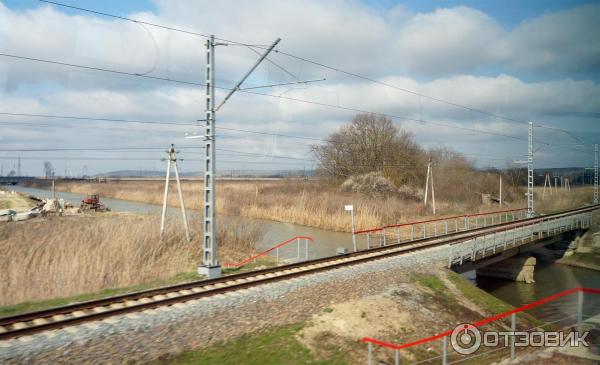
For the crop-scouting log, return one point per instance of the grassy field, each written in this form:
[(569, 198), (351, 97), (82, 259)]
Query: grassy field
[(561, 199), (17, 202), (56, 257), (309, 203), (312, 203), (279, 346)]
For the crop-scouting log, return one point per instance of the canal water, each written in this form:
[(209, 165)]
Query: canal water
[(550, 277), (325, 242)]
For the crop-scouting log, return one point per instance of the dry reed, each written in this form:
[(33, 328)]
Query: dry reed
[(309, 203), (58, 257), (314, 204)]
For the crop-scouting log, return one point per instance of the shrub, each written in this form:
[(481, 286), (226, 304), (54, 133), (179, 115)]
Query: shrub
[(372, 184)]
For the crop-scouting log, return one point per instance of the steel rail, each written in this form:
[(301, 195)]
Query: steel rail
[(116, 305)]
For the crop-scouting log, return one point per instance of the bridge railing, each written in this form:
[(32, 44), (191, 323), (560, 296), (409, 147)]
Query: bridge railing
[(301, 248), (509, 337), (410, 231), (479, 247)]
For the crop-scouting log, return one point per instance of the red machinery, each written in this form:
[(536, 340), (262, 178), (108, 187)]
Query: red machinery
[(92, 202)]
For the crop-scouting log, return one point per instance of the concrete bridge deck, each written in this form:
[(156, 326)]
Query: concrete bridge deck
[(489, 248)]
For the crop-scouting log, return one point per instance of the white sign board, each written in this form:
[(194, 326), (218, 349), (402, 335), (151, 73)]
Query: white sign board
[(348, 208)]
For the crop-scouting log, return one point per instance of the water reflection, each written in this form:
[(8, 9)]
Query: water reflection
[(550, 278)]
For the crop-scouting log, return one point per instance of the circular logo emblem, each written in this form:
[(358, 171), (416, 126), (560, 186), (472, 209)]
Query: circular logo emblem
[(465, 339)]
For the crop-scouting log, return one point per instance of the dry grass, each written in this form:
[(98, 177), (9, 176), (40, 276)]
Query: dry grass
[(561, 199), (308, 203), (16, 202), (314, 204), (58, 257)]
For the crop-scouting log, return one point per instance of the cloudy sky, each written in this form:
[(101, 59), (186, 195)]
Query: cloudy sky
[(462, 74)]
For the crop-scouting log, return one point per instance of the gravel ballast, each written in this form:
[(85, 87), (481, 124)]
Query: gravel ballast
[(148, 335)]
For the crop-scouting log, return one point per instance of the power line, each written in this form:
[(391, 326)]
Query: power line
[(225, 128), (101, 69), (68, 158), (264, 94), (93, 119), (418, 120), (235, 153), (143, 122), (320, 64), (124, 18), (117, 149)]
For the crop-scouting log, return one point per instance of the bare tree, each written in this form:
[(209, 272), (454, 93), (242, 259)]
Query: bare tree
[(370, 143), (48, 169)]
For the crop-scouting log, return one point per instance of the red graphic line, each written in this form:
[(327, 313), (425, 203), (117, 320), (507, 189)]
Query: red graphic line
[(483, 321), (436, 220), (251, 258)]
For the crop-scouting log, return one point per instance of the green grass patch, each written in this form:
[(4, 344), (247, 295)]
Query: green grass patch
[(480, 297), (485, 300), (50, 303), (436, 285), (278, 346)]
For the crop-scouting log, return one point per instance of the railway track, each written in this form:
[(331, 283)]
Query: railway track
[(95, 310)]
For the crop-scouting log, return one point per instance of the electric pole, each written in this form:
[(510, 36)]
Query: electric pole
[(596, 173), (547, 182), (500, 197), (210, 266), (530, 173), (19, 166), (427, 180), (172, 158)]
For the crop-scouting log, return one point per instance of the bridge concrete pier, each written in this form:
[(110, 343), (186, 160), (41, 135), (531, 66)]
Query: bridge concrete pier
[(517, 268), (511, 263), (569, 244)]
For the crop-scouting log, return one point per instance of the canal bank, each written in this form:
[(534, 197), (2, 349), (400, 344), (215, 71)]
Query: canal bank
[(325, 242)]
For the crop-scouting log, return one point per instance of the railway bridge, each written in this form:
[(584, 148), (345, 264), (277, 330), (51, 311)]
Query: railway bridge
[(462, 243), (496, 243), (507, 251)]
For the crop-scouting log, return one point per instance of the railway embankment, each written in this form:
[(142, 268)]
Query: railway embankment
[(317, 318)]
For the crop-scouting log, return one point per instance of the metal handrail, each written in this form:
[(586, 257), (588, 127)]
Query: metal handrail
[(482, 322), (254, 257), (377, 229)]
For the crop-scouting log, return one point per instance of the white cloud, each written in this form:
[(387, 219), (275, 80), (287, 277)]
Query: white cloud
[(567, 40), (438, 49)]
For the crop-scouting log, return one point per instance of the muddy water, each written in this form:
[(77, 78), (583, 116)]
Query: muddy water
[(550, 278), (325, 242)]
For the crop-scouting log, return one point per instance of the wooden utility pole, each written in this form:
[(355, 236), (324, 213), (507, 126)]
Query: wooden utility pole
[(500, 200), (172, 158), (547, 182), (427, 180)]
